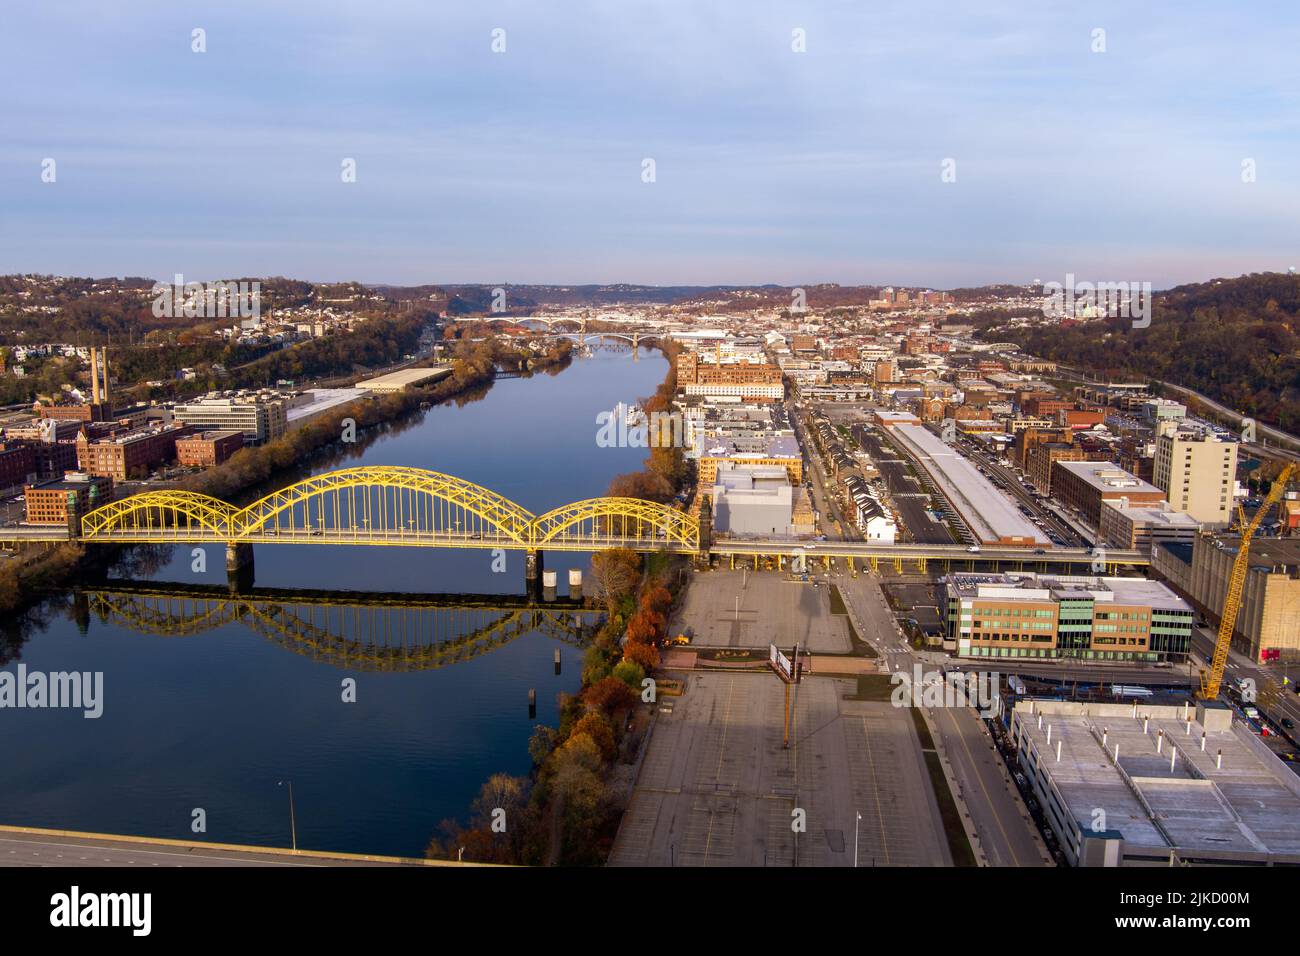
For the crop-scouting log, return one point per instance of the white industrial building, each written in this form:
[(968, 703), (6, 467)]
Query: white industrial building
[(752, 500)]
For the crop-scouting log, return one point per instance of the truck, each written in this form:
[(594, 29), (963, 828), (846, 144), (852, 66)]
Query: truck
[(1130, 690)]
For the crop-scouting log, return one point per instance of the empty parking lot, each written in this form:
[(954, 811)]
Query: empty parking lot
[(718, 789)]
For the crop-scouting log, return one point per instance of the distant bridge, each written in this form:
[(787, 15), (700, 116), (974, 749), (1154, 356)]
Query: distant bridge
[(576, 329), (351, 630)]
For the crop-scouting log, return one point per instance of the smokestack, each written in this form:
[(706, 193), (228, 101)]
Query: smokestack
[(94, 374), (103, 364)]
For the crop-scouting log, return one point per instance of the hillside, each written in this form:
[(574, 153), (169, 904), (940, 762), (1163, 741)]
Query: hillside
[(1234, 340)]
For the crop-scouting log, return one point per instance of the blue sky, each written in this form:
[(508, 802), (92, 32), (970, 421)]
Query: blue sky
[(771, 165)]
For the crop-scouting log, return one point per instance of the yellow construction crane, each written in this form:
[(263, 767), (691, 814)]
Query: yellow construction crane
[(1211, 679)]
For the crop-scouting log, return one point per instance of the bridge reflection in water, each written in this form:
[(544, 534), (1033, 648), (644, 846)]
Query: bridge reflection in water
[(359, 631)]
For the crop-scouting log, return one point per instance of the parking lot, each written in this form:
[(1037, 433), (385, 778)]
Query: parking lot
[(744, 609), (718, 789)]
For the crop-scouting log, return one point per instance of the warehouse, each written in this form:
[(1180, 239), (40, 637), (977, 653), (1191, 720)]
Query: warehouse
[(404, 379)]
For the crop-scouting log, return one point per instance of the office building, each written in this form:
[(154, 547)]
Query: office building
[(1197, 472), (1139, 527), (208, 449), (1084, 485), (262, 417), (781, 451), (130, 454), (1089, 618)]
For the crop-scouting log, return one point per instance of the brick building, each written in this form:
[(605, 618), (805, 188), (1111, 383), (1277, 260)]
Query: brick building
[(17, 464), (1084, 485), (131, 454), (208, 449), (63, 501)]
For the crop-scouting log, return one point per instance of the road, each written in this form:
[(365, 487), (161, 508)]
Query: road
[(933, 552), (985, 788), (1284, 704), (1235, 417), (909, 499), (823, 498), (33, 846)]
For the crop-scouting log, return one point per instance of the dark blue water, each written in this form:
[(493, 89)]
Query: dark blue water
[(213, 716)]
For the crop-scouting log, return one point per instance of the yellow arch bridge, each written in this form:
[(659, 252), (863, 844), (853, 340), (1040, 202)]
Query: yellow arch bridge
[(390, 506)]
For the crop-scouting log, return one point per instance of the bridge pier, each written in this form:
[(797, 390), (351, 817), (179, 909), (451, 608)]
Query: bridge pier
[(534, 565), (705, 533), (239, 565)]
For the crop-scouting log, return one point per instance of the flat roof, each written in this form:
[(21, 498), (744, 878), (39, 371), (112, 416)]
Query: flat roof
[(991, 515), (1139, 592), (404, 377), (322, 399), (1249, 806), (1154, 514), (1265, 552), (213, 434), (1108, 477)]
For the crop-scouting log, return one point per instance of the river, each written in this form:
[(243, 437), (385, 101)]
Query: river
[(209, 705)]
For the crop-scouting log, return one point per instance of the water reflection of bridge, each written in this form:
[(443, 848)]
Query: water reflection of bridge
[(352, 630)]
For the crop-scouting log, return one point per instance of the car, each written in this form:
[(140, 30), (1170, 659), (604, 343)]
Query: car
[(1040, 550), (974, 549), (1288, 723)]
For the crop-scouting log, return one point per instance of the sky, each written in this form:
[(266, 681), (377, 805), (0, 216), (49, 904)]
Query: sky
[(770, 165)]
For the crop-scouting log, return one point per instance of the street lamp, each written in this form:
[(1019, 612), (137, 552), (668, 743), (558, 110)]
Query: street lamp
[(293, 823), (857, 823)]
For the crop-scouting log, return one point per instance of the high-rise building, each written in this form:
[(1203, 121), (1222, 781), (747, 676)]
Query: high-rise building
[(1197, 472)]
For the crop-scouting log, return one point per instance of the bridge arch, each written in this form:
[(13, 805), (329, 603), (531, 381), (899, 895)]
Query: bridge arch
[(599, 519), (153, 511), (391, 500)]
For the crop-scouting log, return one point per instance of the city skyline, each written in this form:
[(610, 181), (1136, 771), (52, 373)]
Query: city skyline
[(771, 166)]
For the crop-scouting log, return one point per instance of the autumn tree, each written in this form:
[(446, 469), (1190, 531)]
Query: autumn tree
[(609, 696), (597, 726), (645, 656), (614, 575)]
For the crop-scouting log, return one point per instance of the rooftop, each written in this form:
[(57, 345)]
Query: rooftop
[(991, 515), (1156, 798), (1137, 592), (405, 377), (1108, 477)]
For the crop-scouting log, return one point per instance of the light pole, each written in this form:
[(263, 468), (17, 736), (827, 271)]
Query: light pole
[(856, 824), (293, 822)]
